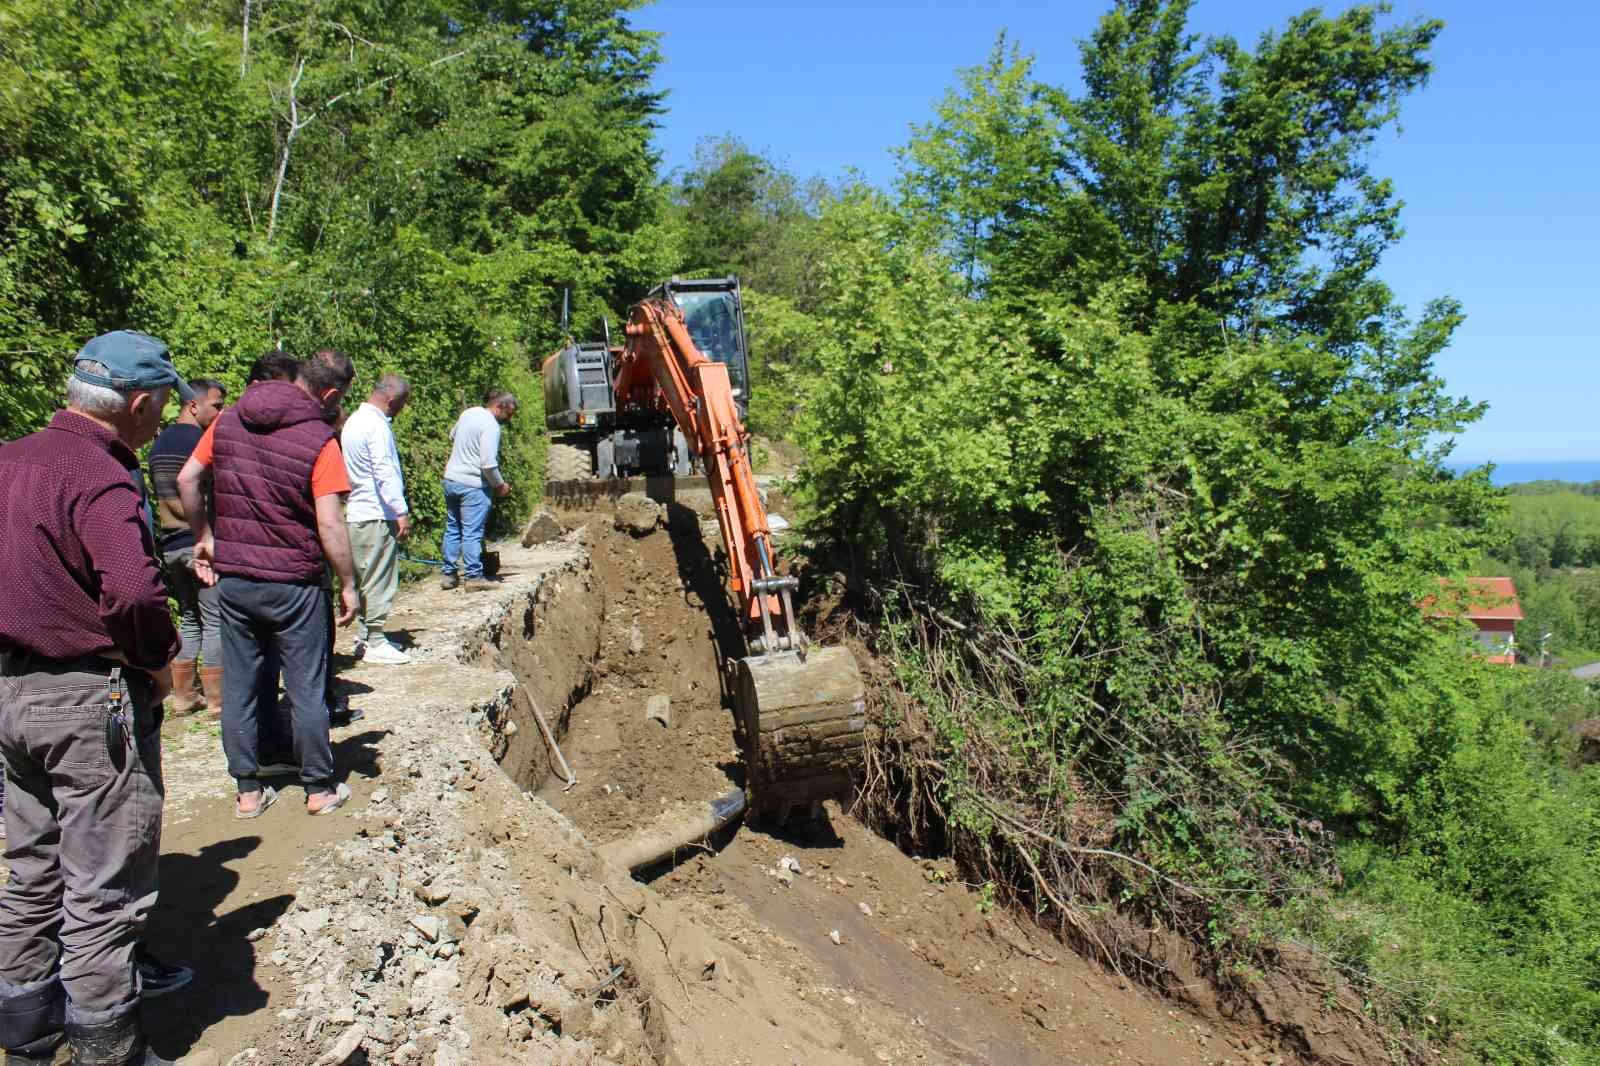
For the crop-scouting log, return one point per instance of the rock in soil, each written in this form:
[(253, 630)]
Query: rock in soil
[(637, 513), (341, 1051), (543, 527)]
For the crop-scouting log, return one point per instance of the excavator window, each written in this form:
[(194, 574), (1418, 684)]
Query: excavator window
[(714, 325)]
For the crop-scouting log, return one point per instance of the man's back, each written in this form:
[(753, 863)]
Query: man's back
[(267, 453), (476, 446), (78, 571)]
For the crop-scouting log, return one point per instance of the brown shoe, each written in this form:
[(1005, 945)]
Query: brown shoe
[(211, 681), (183, 699), (479, 584)]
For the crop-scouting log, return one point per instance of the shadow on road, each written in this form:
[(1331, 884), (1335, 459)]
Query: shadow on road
[(187, 927)]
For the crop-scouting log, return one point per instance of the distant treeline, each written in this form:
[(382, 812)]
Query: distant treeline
[(1551, 551), (1553, 525), (1551, 487)]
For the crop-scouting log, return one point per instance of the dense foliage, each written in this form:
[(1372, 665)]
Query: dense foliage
[(1552, 530), (413, 184), (1113, 390), (1550, 549)]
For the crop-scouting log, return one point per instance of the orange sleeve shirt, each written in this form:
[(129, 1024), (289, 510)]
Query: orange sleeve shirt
[(328, 476), (207, 447)]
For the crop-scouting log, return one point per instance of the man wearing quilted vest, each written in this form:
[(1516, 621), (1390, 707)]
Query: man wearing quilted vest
[(278, 485)]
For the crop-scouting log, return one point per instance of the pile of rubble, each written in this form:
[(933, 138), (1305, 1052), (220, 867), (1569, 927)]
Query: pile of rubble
[(415, 942)]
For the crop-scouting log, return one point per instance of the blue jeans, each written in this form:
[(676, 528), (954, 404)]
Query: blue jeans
[(466, 514)]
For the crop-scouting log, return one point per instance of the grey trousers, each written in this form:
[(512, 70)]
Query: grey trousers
[(83, 834), (199, 623), (268, 626)]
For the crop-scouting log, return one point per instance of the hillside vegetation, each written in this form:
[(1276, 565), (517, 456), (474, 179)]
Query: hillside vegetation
[(412, 183), (1115, 439), (1117, 435)]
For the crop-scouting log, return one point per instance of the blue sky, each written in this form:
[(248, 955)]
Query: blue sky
[(1498, 158)]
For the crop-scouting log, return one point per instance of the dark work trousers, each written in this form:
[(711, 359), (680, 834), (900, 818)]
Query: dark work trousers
[(83, 831), (274, 729), (268, 626)]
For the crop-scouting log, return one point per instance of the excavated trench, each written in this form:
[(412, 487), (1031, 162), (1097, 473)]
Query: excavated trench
[(829, 907)]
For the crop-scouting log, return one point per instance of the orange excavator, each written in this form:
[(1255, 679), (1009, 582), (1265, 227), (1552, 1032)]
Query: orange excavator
[(800, 707)]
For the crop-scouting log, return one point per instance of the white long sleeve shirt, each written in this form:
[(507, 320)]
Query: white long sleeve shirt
[(475, 451), (377, 489)]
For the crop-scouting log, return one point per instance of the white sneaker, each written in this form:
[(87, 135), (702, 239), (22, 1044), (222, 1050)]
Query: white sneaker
[(385, 653)]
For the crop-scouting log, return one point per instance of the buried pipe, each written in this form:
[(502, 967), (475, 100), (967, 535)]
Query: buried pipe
[(549, 738), (674, 832)]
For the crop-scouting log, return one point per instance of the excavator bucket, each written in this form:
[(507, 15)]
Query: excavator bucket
[(802, 722)]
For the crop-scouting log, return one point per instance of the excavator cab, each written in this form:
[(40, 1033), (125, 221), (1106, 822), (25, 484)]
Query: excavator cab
[(713, 310)]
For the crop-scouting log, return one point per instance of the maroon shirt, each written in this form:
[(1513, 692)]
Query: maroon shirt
[(78, 568)]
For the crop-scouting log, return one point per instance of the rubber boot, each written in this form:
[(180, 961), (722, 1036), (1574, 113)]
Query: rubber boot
[(184, 699), (211, 681), (46, 1049), (31, 1021), (119, 1042)]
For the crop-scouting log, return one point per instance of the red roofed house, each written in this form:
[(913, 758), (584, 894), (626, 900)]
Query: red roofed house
[(1490, 604)]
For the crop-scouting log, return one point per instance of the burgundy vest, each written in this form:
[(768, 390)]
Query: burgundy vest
[(263, 452)]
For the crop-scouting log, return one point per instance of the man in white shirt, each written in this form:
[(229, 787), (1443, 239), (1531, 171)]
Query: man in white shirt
[(376, 513), (471, 482)]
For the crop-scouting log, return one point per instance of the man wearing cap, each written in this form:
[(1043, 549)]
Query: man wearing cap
[(278, 487), (85, 643)]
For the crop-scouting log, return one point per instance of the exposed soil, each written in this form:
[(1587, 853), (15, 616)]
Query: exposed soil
[(948, 977), (658, 637)]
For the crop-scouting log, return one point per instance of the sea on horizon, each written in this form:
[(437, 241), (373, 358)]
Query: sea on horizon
[(1578, 471)]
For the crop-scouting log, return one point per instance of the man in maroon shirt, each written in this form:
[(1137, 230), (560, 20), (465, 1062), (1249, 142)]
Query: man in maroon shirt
[(85, 643)]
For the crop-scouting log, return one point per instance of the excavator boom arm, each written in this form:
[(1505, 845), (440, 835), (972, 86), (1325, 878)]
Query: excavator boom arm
[(661, 365)]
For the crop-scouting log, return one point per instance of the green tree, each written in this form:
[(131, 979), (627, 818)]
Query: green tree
[(1180, 489), (737, 212), (413, 184)]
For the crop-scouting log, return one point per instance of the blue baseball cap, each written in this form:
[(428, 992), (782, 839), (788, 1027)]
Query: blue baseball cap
[(133, 360)]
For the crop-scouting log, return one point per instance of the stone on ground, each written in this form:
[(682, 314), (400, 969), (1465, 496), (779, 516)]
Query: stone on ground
[(543, 527), (637, 513)]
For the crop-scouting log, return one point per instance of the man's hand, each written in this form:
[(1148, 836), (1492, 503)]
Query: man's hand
[(204, 555), (503, 489), (349, 604), (402, 527)]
